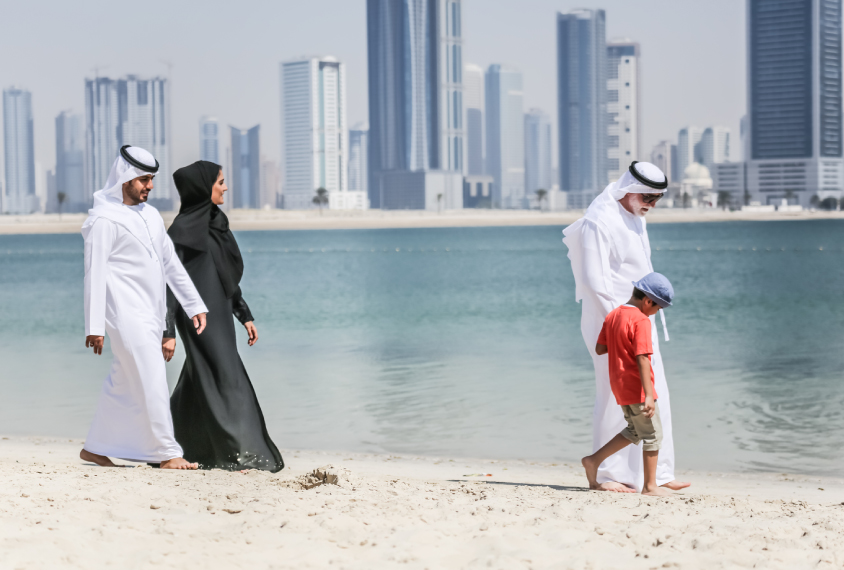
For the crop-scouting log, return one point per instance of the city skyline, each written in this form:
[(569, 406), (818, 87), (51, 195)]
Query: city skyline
[(712, 93)]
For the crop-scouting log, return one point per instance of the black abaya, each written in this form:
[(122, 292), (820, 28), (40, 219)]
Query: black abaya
[(216, 415)]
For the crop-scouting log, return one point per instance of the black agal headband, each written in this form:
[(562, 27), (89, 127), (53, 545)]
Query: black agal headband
[(136, 163), (662, 185)]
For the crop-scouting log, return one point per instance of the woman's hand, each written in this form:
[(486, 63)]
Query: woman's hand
[(253, 332), (168, 347)]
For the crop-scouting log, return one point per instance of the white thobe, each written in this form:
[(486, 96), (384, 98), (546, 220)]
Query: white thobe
[(609, 250), (128, 264)]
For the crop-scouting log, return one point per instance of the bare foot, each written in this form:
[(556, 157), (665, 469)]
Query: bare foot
[(100, 460), (658, 492), (591, 467), (676, 485), (178, 463)]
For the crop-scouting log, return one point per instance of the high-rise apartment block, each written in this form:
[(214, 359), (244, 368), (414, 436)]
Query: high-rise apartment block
[(416, 134), (662, 157), (582, 104), (714, 146), (794, 100), (505, 139), (623, 107), (537, 152), (473, 89), (131, 111), (359, 162), (315, 132), (209, 139), (688, 149), (19, 153), (70, 163), (245, 177)]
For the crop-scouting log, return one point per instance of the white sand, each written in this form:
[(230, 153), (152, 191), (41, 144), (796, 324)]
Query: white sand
[(389, 512), (243, 220)]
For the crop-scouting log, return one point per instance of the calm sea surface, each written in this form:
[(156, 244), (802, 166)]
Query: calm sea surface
[(466, 342)]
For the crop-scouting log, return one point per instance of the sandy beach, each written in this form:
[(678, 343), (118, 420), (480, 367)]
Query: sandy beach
[(245, 220), (386, 511)]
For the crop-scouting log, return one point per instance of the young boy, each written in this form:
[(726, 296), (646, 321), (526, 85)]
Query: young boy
[(626, 337)]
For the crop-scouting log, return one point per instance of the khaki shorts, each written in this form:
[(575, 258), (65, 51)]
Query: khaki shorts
[(641, 428)]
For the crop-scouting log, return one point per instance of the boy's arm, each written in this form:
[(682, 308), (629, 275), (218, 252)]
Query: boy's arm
[(601, 349), (644, 363)]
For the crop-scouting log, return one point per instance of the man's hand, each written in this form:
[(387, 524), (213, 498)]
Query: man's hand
[(168, 347), (253, 332), (199, 322), (95, 342), (648, 407)]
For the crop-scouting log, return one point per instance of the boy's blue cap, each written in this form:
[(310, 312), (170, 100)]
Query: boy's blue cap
[(657, 287)]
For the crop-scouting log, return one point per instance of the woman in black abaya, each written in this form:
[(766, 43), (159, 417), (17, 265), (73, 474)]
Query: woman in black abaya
[(216, 415)]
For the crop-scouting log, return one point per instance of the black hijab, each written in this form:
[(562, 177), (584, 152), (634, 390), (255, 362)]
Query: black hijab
[(202, 226)]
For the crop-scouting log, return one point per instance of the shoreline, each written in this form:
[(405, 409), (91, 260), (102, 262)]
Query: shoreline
[(386, 510), (262, 220)]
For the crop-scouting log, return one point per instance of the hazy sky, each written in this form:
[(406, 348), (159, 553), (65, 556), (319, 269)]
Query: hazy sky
[(225, 56)]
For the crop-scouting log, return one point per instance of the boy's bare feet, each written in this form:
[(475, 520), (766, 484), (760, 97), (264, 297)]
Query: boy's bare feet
[(658, 492), (676, 485), (178, 463), (100, 460), (591, 467)]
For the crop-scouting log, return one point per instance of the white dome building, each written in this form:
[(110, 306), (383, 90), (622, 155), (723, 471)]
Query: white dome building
[(697, 184)]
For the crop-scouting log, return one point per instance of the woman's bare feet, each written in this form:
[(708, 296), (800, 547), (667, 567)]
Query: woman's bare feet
[(676, 485), (178, 463), (100, 460), (591, 467)]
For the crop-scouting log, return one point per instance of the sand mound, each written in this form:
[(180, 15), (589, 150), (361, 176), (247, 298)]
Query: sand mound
[(325, 475)]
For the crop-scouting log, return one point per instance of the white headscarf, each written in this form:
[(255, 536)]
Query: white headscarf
[(108, 202)]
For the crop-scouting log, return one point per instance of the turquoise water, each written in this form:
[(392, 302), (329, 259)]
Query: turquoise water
[(466, 342)]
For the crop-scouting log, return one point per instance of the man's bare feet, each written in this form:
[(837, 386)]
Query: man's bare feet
[(100, 460), (676, 485), (178, 463), (591, 467), (658, 492)]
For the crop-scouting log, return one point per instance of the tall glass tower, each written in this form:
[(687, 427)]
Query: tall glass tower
[(209, 139), (794, 100), (415, 51), (19, 150), (582, 103), (246, 167), (505, 135), (70, 162)]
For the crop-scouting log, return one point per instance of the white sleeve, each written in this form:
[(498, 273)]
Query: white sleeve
[(179, 281), (596, 267), (98, 246)]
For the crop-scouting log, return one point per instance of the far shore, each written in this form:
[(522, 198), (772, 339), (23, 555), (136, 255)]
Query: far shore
[(251, 220)]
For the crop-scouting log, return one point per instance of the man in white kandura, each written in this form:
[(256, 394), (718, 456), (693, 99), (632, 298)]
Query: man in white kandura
[(609, 250), (129, 262)]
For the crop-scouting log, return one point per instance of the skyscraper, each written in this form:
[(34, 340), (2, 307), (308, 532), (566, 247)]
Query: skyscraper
[(131, 111), (315, 129), (623, 107), (415, 100), (794, 100), (688, 149), (473, 85), (70, 162), (245, 178), (19, 152), (358, 161), (662, 156), (505, 136), (582, 103), (537, 152), (715, 146), (209, 139)]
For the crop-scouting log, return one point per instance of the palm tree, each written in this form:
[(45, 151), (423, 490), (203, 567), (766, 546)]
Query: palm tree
[(61, 196), (541, 194), (724, 199), (439, 202), (321, 198), (686, 199)]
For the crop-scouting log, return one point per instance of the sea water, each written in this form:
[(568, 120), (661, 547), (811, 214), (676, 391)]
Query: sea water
[(465, 342)]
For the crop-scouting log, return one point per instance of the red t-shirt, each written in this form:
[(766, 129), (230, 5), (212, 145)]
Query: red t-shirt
[(627, 334)]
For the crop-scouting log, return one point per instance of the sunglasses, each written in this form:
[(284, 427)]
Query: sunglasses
[(651, 198)]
